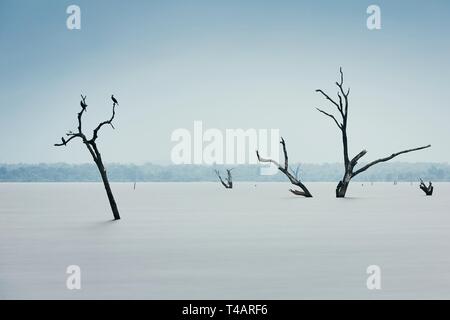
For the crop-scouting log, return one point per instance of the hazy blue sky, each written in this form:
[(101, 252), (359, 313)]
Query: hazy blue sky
[(231, 64)]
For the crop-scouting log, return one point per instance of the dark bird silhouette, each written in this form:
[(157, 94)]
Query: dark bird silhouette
[(63, 141), (83, 105), (114, 99)]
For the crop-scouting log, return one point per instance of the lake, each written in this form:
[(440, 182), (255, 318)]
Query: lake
[(201, 241)]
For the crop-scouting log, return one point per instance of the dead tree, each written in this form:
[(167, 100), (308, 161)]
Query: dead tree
[(91, 145), (228, 183), (427, 189), (349, 164), (293, 178)]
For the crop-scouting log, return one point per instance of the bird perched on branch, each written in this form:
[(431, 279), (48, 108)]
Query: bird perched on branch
[(114, 99), (83, 105), (63, 141)]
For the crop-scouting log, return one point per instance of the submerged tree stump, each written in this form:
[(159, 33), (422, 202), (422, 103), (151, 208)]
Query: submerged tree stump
[(427, 189), (228, 182)]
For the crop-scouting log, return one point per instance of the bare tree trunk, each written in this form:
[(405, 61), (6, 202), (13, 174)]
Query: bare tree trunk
[(92, 146), (342, 186), (112, 201)]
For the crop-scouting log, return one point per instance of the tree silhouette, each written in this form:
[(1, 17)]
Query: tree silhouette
[(91, 145), (295, 180), (349, 165)]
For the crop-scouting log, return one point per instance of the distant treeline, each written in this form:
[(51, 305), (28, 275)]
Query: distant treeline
[(61, 172)]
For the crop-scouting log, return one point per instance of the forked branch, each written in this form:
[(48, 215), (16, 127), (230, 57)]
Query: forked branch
[(285, 169), (342, 106)]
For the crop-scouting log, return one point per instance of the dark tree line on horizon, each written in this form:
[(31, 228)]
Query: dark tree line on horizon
[(310, 172)]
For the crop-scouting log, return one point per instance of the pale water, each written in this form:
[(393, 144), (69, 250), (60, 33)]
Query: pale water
[(201, 241)]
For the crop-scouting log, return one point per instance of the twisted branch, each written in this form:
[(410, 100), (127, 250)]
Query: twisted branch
[(96, 130), (285, 169)]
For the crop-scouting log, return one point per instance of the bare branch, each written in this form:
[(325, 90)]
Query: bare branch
[(260, 159), (331, 116), (80, 114), (229, 178), (298, 193), (80, 134), (342, 77), (294, 180), (340, 103), (344, 105), (357, 157), (96, 130), (64, 142), (286, 162), (328, 98), (367, 166)]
